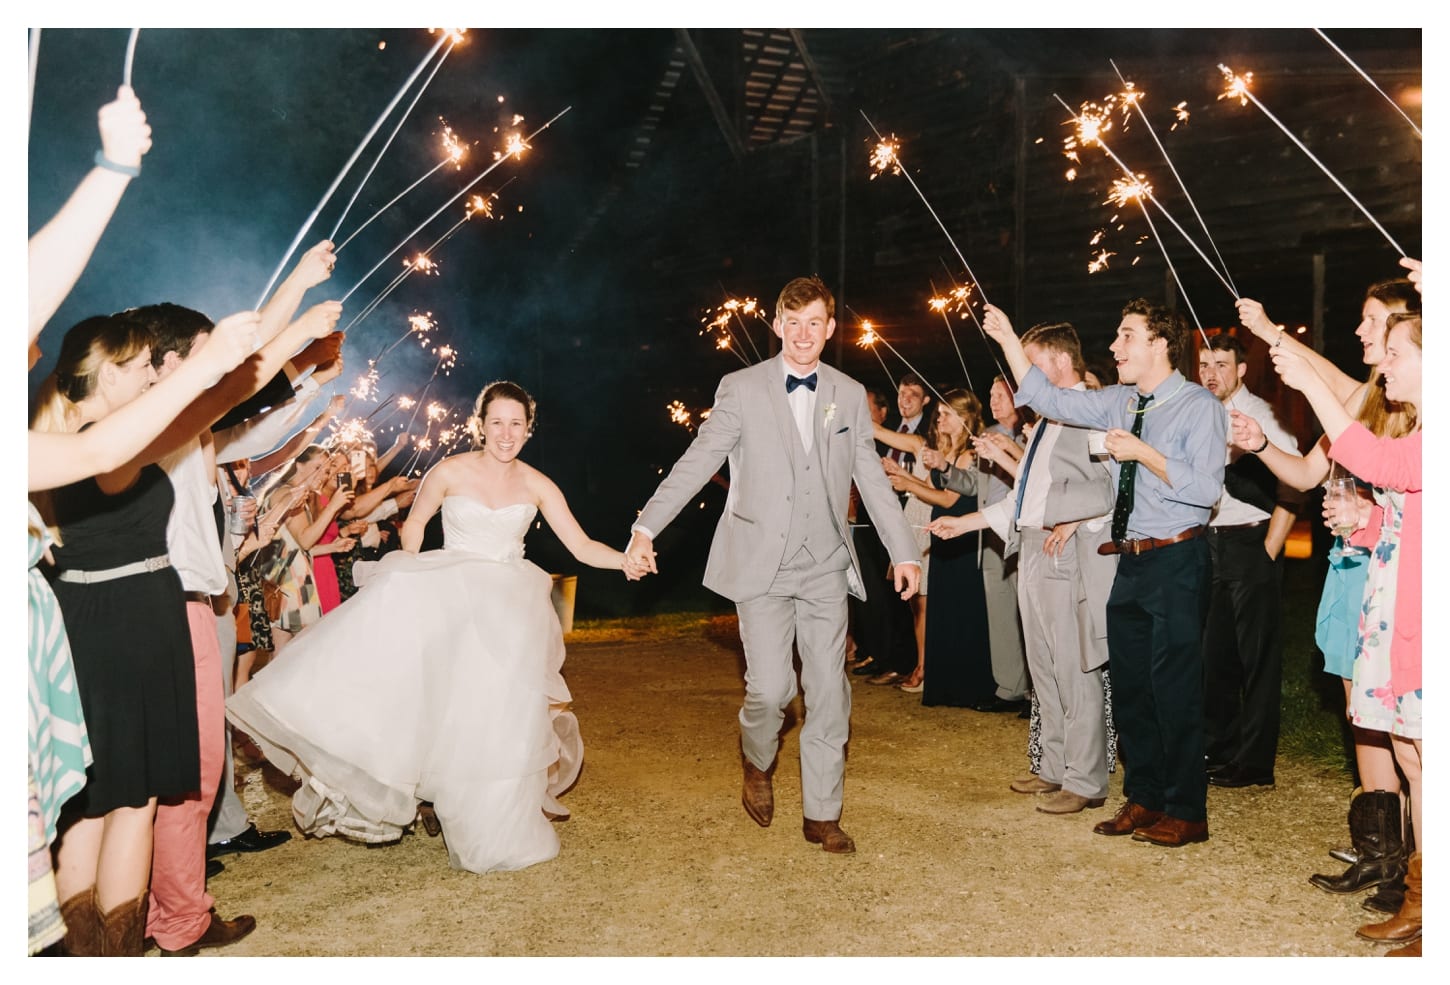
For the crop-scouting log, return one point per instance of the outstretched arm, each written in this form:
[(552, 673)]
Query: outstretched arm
[(996, 324), (910, 443), (561, 520), (60, 250), (1297, 472), (1253, 317), (57, 459)]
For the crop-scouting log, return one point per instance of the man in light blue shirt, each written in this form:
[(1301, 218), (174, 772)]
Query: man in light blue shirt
[(1165, 436)]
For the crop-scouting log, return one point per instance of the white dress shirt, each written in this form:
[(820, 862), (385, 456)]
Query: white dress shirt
[(1231, 512)]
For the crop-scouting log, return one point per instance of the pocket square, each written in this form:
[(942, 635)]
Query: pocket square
[(844, 429)]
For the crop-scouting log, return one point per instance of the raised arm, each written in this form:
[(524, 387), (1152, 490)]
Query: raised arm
[(56, 459), (1295, 471), (1253, 317), (263, 464), (996, 324), (60, 249), (912, 444)]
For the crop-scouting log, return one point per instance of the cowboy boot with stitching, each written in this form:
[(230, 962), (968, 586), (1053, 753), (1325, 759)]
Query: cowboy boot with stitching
[(123, 928), (1374, 828), (1405, 925), (82, 925)]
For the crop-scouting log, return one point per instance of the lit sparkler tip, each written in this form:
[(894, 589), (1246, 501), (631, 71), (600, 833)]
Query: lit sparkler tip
[(868, 335), (1100, 261), (406, 402), (1180, 114), (1125, 191), (1236, 86), (455, 34), (937, 304), (884, 156)]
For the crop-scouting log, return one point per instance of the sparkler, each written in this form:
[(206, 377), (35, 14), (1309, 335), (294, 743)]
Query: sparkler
[(522, 146), (1089, 132), (130, 57), (453, 152), (348, 166), (1238, 88), (962, 295), (478, 204), (34, 63), (887, 155), (1136, 103), (869, 338), (1371, 81), (718, 320), (939, 305)]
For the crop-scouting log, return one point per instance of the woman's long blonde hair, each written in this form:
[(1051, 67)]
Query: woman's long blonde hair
[(88, 346), (969, 408)]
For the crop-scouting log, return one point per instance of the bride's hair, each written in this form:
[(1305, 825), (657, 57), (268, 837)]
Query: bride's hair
[(498, 390)]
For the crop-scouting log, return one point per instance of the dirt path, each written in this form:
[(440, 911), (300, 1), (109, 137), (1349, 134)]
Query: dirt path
[(660, 859)]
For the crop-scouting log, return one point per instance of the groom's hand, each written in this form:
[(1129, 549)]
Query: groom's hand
[(907, 578), (640, 555)]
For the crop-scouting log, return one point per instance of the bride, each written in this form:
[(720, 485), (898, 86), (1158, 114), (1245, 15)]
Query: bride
[(440, 679)]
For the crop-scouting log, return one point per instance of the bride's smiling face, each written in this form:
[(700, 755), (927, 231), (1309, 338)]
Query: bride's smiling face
[(505, 428)]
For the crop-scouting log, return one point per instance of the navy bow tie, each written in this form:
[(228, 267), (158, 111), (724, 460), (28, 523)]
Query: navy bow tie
[(791, 382)]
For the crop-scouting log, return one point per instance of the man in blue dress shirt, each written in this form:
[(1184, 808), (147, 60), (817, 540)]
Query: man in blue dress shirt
[(1166, 438)]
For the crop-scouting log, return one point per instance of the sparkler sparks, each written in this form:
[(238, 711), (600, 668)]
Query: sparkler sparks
[(884, 156), (366, 387), (1100, 261), (406, 402)]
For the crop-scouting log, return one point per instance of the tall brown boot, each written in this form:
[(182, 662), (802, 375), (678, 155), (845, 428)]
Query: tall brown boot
[(82, 925), (123, 928), (1404, 926)]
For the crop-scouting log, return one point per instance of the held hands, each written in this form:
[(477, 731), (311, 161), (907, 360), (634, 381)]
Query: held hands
[(996, 324), (1245, 431), (996, 447), (125, 135), (639, 557)]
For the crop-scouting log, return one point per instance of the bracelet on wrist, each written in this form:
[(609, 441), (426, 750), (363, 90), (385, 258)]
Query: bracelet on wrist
[(102, 161), (1263, 446)]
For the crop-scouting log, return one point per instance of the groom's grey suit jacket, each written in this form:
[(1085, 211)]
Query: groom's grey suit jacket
[(769, 506)]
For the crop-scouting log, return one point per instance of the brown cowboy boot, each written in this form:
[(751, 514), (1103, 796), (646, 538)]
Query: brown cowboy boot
[(1404, 926), (123, 928), (82, 925)]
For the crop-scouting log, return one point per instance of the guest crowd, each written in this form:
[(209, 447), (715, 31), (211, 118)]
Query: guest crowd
[(1105, 560), (186, 520), (1139, 527)]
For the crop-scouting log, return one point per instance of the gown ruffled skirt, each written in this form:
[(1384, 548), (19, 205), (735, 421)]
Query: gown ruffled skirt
[(439, 681)]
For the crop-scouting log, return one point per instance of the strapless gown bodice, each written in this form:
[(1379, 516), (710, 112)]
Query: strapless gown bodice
[(495, 534)]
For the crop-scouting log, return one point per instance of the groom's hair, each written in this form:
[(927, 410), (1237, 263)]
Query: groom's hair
[(801, 292)]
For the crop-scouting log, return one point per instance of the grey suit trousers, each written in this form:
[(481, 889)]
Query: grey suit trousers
[(1070, 701), (806, 604)]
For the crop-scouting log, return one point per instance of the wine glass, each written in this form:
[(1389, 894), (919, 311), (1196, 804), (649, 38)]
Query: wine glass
[(1340, 489)]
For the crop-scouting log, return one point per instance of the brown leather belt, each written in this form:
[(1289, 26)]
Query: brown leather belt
[(1136, 547)]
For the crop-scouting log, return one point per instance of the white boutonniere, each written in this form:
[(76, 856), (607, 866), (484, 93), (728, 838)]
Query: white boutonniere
[(830, 415)]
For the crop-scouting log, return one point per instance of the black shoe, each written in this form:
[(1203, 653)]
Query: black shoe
[(1000, 704), (1238, 776), (869, 667), (213, 867), (250, 840), (1215, 768)]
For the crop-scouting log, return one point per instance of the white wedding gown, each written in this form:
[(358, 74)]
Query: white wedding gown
[(439, 680)]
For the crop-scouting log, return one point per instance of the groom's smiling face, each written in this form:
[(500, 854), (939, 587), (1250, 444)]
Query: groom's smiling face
[(803, 333)]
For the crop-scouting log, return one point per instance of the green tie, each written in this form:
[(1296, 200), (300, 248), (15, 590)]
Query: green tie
[(1126, 475)]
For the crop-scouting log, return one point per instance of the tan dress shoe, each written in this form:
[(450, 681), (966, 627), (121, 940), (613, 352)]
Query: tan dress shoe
[(1033, 784), (1173, 832), (1067, 802), (1129, 817), (828, 835)]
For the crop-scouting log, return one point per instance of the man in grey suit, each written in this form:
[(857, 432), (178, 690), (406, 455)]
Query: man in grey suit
[(1057, 515), (796, 434)]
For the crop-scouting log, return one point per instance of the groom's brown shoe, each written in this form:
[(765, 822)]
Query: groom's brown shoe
[(828, 835), (757, 796)]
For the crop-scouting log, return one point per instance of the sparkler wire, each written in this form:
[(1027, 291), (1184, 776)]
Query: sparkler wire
[(464, 190), (953, 336), (1365, 76), (377, 160), (1145, 191), (34, 62), (1244, 90), (1177, 177), (347, 167), (130, 57)]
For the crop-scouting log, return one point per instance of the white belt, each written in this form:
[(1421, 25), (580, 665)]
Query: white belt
[(157, 563)]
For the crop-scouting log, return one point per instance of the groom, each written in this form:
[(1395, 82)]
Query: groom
[(796, 433)]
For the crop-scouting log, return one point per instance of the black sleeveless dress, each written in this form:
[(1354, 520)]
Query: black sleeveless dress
[(958, 671), (130, 644)]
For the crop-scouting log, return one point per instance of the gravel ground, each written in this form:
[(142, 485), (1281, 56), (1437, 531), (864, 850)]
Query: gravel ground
[(660, 859)]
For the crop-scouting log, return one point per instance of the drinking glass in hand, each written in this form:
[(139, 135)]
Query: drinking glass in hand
[(1341, 492)]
